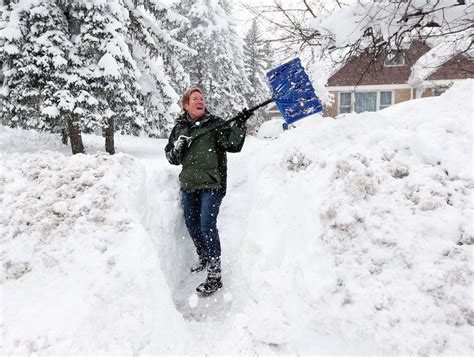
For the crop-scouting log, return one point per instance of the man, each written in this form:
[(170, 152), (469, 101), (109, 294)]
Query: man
[(203, 177)]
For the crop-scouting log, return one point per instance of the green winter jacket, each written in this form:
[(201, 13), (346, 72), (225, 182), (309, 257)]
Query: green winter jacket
[(204, 163)]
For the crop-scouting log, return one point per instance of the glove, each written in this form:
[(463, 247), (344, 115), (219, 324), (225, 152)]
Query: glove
[(181, 145), (244, 115)]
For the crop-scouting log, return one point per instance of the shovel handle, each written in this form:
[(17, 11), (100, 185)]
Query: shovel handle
[(251, 110), (258, 106)]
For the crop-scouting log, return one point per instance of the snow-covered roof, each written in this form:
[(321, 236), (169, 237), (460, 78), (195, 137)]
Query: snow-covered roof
[(431, 61)]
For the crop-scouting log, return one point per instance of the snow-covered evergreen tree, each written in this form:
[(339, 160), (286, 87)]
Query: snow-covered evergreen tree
[(34, 47), (125, 46), (256, 58), (102, 72), (218, 66), (153, 35), (79, 66)]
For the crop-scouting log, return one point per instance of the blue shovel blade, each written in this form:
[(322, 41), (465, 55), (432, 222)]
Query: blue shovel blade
[(293, 92)]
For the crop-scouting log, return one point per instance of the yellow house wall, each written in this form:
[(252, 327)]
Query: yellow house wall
[(332, 111), (427, 93), (402, 95)]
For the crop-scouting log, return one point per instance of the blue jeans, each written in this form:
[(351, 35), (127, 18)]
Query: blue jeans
[(200, 215)]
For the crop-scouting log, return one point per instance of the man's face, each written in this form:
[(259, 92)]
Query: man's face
[(195, 107)]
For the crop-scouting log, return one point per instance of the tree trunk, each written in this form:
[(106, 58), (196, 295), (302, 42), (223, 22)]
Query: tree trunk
[(109, 137), (75, 138), (64, 136)]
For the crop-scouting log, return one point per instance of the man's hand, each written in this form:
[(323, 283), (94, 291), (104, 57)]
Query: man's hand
[(182, 144), (244, 115)]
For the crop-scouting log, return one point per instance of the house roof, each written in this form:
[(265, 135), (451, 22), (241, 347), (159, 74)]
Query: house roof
[(432, 63), (421, 63), (362, 70)]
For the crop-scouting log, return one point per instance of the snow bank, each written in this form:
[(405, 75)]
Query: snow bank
[(347, 236), (270, 129), (362, 228), (17, 140), (80, 273)]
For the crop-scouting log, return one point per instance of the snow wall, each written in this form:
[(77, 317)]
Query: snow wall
[(359, 234)]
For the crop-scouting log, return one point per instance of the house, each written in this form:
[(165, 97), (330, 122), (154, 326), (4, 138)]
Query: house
[(418, 71)]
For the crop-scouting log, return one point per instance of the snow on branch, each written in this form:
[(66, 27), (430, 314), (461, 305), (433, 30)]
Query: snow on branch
[(373, 26)]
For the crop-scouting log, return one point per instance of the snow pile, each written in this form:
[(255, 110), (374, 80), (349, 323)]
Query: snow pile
[(362, 227), (79, 271), (270, 129), (341, 236)]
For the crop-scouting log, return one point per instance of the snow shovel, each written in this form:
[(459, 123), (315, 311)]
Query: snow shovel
[(292, 92)]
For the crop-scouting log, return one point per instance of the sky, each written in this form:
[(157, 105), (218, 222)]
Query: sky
[(348, 236), (242, 14), (245, 17)]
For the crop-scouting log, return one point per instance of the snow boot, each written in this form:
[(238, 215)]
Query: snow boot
[(213, 281), (211, 285), (200, 265)]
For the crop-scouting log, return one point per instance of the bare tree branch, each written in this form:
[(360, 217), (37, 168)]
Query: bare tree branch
[(384, 26)]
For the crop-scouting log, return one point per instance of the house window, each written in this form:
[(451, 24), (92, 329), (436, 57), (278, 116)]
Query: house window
[(345, 103), (394, 59), (364, 101), (385, 100)]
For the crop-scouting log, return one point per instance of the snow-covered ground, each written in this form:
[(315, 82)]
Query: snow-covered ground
[(349, 236)]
